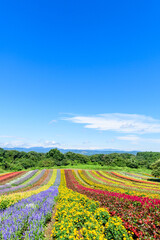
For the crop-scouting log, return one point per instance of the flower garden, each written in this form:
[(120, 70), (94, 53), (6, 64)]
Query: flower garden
[(79, 204)]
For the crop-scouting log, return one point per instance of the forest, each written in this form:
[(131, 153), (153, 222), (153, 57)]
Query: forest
[(15, 160)]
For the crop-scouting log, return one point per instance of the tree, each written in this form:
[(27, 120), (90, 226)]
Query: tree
[(56, 156), (132, 162), (97, 158), (145, 159), (75, 158), (156, 168)]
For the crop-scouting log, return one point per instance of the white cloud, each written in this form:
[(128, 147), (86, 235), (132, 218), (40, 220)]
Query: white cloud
[(52, 121), (48, 144), (11, 144), (21, 144), (137, 139), (118, 122), (129, 138), (45, 144)]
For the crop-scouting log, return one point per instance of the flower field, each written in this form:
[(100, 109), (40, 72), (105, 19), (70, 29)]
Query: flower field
[(79, 204), (138, 209), (5, 177)]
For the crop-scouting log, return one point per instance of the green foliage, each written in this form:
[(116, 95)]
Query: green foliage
[(15, 161), (102, 215), (115, 230), (156, 168), (56, 157), (55, 154), (75, 158), (118, 159), (145, 159), (132, 162)]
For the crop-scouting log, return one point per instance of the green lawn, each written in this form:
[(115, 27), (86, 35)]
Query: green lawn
[(93, 167), (109, 168)]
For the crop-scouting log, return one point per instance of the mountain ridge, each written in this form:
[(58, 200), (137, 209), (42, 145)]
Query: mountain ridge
[(81, 151)]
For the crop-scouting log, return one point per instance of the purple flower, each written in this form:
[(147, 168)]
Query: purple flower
[(27, 218)]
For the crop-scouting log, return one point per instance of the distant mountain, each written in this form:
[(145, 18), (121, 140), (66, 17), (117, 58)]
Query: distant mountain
[(100, 151), (85, 152)]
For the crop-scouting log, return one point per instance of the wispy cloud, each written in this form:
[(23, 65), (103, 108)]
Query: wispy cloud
[(129, 138), (118, 122), (5, 136), (12, 144), (137, 139), (52, 121), (22, 144)]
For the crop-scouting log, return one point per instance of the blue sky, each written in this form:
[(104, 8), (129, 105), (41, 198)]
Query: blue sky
[(80, 74)]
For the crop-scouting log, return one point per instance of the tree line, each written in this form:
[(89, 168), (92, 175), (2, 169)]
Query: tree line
[(15, 160)]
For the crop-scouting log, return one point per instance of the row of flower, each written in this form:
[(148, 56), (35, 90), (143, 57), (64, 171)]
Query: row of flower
[(36, 181), (19, 187), (139, 215), (107, 178), (26, 219), (8, 200), (101, 178), (24, 178), (18, 180), (132, 179), (3, 173), (137, 175), (7, 176), (78, 217), (126, 181), (118, 189)]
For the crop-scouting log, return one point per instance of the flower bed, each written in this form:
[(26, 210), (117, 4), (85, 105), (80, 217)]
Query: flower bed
[(139, 215), (8, 200), (23, 178), (128, 184), (23, 186), (132, 179), (95, 184), (128, 187), (43, 181), (8, 176), (78, 217), (18, 180), (27, 218)]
